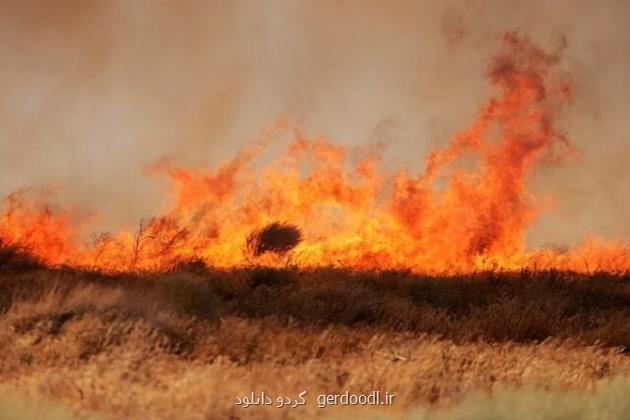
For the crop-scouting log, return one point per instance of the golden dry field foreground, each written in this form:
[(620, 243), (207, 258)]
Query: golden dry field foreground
[(192, 342)]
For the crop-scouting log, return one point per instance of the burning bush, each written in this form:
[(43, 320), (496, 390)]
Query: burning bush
[(193, 265), (16, 258), (276, 237)]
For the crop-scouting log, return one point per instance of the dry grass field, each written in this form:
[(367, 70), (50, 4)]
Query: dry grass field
[(186, 343)]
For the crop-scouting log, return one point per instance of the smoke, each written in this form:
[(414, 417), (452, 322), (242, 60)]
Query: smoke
[(91, 91)]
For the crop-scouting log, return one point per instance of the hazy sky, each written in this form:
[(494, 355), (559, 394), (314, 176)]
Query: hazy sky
[(90, 91)]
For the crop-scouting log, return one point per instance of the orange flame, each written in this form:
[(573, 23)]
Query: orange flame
[(352, 212)]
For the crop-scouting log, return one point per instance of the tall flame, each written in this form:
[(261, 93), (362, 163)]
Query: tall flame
[(468, 210)]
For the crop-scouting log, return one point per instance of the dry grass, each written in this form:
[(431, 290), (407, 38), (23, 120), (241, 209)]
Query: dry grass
[(184, 344), (609, 402), (13, 407)]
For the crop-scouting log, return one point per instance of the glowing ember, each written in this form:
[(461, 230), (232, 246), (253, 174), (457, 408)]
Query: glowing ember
[(352, 213)]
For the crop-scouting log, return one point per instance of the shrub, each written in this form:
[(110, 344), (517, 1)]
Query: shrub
[(15, 258), (276, 237), (193, 265), (266, 276), (189, 294)]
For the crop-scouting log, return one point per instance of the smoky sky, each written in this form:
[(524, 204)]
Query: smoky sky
[(91, 91)]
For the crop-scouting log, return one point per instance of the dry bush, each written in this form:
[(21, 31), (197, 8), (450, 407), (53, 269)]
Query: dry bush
[(189, 294), (270, 277), (194, 265), (276, 237), (15, 258)]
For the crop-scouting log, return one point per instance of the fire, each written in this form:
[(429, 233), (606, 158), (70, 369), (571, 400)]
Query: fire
[(351, 211)]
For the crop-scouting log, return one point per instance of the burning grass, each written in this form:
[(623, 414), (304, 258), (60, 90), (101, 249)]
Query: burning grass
[(346, 206)]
